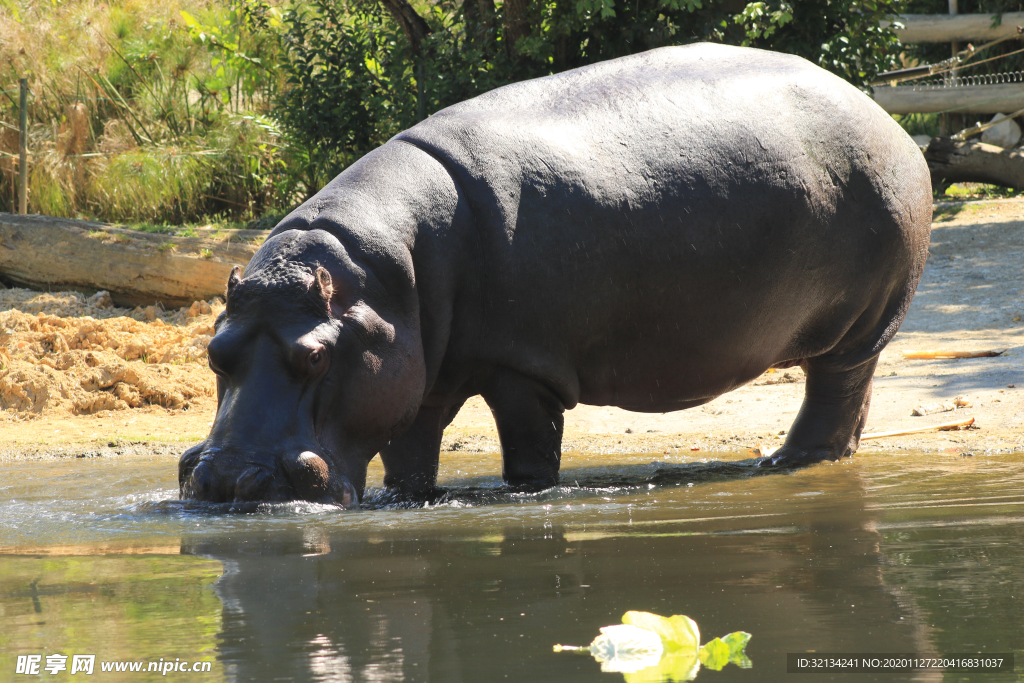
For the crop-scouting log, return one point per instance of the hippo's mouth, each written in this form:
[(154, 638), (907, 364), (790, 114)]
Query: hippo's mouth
[(215, 475)]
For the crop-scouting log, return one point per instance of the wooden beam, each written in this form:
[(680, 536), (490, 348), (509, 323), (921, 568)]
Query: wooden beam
[(967, 99), (946, 28)]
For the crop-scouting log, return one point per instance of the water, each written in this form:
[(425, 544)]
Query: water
[(889, 552)]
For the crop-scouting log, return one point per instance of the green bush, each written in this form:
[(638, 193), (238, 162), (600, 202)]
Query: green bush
[(356, 77)]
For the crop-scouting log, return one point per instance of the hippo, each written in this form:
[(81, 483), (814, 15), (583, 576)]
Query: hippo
[(647, 232)]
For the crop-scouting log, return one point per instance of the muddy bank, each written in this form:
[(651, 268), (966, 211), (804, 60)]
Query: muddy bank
[(65, 356)]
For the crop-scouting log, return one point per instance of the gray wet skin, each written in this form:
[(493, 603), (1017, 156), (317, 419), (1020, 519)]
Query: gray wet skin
[(649, 233)]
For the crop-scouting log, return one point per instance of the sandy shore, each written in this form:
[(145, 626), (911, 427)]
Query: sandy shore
[(970, 299)]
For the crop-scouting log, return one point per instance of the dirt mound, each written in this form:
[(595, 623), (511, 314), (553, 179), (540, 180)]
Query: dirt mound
[(64, 353)]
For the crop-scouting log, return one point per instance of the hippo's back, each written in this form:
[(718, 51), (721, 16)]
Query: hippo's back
[(702, 109)]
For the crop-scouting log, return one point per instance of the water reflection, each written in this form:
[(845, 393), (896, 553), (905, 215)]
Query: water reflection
[(801, 572)]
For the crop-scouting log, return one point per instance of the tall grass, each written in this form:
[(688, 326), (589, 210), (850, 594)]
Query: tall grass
[(133, 117)]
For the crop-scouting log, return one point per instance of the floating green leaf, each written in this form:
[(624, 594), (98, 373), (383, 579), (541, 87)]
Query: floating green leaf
[(737, 642), (714, 654)]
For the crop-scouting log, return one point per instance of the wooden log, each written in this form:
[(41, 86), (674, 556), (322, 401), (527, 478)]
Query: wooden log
[(967, 99), (944, 427), (946, 28), (953, 161), (940, 354), (137, 268)]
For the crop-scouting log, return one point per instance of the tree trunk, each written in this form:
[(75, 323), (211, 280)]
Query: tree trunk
[(952, 161), (487, 14), (137, 268), (516, 25), (471, 16)]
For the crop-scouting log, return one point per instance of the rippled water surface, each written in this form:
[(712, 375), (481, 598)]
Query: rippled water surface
[(889, 552)]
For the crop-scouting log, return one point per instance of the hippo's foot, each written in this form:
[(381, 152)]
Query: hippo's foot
[(531, 485), (792, 458), (402, 496)]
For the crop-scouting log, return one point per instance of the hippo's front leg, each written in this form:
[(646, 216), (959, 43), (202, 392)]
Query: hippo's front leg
[(410, 460), (529, 420)]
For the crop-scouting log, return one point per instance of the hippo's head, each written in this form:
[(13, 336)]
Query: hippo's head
[(319, 364)]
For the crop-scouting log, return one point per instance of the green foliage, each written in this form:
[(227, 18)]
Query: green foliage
[(148, 184), (841, 36), (243, 40), (976, 191), (919, 124), (737, 642), (354, 79), (173, 112), (350, 85)]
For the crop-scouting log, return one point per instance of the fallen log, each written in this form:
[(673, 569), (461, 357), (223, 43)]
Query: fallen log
[(137, 268), (953, 161)]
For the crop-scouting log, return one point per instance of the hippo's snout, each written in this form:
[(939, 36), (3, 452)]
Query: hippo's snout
[(216, 476)]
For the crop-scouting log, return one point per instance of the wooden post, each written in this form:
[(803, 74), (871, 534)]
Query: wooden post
[(953, 11), (954, 120), (23, 151)]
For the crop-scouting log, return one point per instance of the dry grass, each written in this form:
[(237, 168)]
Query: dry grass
[(130, 120)]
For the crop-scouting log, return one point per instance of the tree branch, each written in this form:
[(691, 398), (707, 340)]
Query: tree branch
[(413, 25)]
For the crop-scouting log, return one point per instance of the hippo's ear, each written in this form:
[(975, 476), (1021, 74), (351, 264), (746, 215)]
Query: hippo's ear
[(323, 283), (234, 278), (322, 287)]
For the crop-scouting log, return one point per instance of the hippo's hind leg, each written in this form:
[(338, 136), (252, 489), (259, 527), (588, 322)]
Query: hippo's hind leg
[(833, 414), (410, 460), (529, 420)]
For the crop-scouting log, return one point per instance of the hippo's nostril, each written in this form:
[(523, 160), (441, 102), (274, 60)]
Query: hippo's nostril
[(187, 463), (201, 484), (252, 484), (309, 476), (313, 480)]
